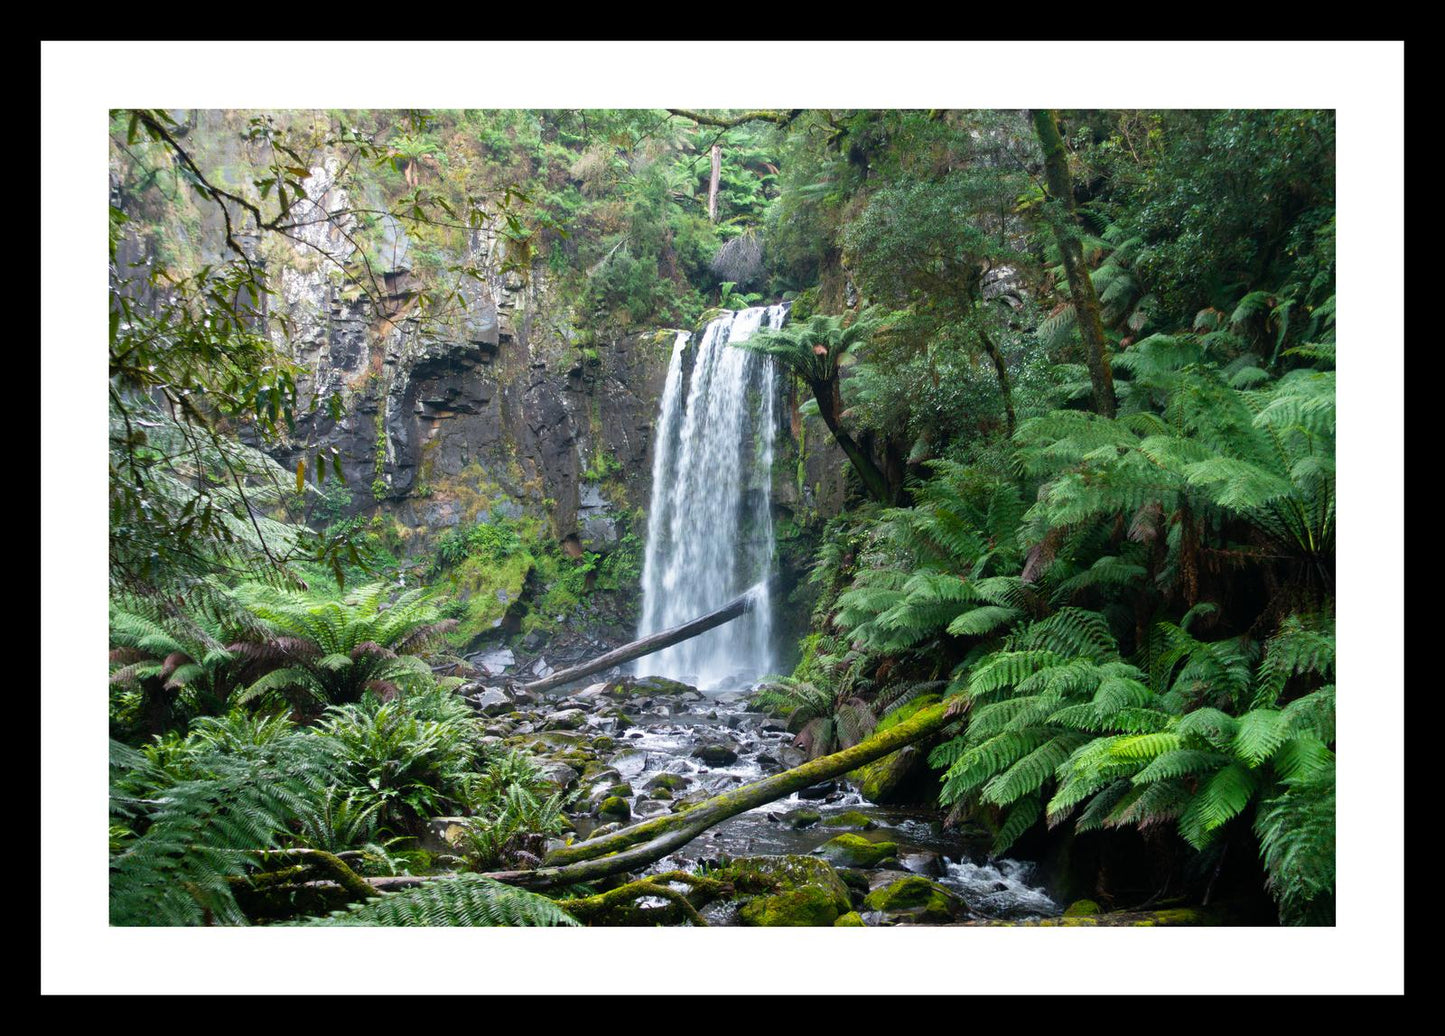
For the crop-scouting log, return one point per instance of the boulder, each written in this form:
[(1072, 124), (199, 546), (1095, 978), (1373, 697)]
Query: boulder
[(716, 753), (856, 851), (787, 891), (615, 807), (566, 719), (852, 820), (916, 900)]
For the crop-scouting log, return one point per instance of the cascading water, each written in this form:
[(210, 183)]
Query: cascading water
[(710, 529)]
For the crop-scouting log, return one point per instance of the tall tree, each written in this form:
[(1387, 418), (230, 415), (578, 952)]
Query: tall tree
[(1063, 218)]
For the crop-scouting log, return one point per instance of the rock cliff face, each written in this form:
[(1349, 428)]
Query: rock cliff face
[(460, 396), (481, 402)]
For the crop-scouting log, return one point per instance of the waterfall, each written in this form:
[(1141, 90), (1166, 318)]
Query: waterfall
[(710, 527)]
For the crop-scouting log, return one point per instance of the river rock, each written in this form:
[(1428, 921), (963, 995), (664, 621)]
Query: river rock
[(927, 863), (915, 900), (630, 764), (852, 820), (799, 819), (615, 807), (566, 719), (818, 791), (787, 891), (856, 851), (671, 782), (900, 777), (493, 701), (559, 775), (716, 753), (661, 685)]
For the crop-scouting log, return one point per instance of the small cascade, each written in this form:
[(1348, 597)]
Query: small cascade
[(710, 528)]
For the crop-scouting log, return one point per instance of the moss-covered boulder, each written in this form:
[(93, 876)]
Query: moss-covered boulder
[(787, 891), (801, 818), (852, 850), (852, 919), (615, 807), (852, 820), (717, 753), (660, 685), (670, 781), (916, 900), (1081, 908)]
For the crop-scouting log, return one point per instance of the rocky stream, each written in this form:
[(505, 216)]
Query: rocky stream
[(630, 748)]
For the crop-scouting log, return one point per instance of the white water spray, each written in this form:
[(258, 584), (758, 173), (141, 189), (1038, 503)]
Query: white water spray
[(710, 528)]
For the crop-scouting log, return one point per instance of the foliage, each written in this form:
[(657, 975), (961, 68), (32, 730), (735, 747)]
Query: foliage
[(323, 651), (468, 900)]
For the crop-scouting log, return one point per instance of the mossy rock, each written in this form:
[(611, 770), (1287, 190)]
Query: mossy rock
[(789, 891), (660, 685), (801, 818), (916, 899), (670, 781), (1081, 908), (852, 919), (562, 739), (615, 806), (603, 743), (856, 851), (809, 907), (716, 753), (852, 820)]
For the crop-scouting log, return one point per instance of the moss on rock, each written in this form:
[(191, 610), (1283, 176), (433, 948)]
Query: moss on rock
[(916, 899), (852, 850), (615, 806), (852, 820), (788, 891)]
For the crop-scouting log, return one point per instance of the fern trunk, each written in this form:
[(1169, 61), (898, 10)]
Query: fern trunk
[(829, 406), (1081, 286)]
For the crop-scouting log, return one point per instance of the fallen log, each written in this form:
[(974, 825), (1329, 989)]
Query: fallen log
[(645, 843), (740, 605), (649, 841)]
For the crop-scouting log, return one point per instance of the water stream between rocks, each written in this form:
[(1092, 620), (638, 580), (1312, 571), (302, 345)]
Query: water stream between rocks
[(655, 744)]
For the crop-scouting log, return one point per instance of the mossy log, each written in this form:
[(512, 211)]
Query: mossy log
[(645, 843), (739, 605), (589, 908), (637, 846)]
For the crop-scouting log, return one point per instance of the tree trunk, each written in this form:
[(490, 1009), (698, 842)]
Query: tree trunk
[(739, 605), (1081, 287), (827, 395), (713, 182), (1005, 383)]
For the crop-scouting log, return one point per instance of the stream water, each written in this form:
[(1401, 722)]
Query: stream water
[(668, 730)]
